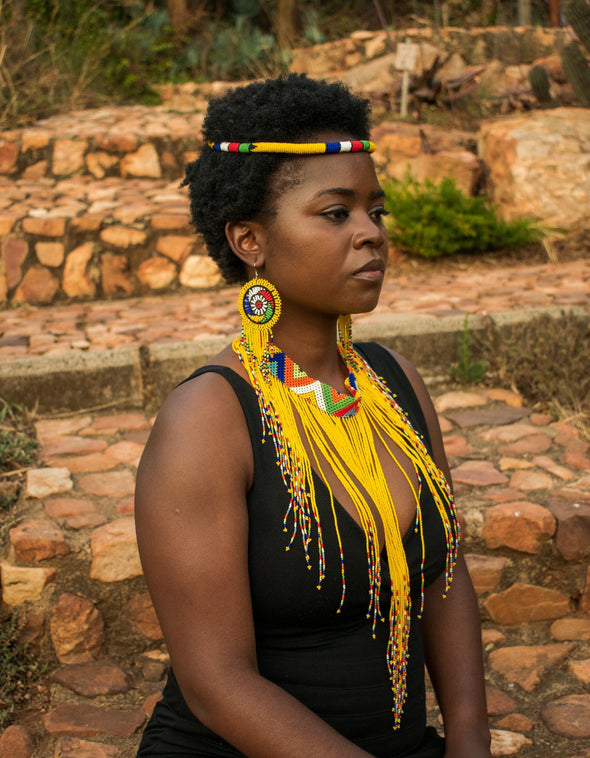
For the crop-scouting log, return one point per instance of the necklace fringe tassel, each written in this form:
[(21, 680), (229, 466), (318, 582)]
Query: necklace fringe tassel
[(346, 442)]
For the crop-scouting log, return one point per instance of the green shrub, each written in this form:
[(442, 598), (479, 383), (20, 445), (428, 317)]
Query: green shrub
[(240, 48), (577, 71), (539, 81), (433, 220), (66, 54), (578, 14)]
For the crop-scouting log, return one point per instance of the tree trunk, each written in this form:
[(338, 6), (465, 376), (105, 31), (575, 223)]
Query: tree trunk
[(178, 14), (524, 12), (555, 13), (286, 23)]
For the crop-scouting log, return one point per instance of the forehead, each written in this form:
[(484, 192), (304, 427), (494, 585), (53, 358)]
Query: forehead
[(307, 176)]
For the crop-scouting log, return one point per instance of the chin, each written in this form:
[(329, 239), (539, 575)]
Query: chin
[(365, 305)]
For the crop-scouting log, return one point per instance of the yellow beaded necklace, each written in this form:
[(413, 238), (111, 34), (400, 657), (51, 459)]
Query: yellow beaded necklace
[(346, 442)]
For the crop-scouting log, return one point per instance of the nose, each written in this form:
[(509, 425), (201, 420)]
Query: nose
[(368, 232)]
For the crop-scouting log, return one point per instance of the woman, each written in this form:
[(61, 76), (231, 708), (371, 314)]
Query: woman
[(298, 534)]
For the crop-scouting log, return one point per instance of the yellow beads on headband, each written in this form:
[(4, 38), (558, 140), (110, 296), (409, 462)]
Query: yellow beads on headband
[(295, 148)]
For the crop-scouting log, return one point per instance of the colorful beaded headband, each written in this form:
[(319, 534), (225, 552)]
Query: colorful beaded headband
[(295, 148)]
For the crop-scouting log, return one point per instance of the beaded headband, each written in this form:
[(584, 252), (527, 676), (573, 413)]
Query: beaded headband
[(295, 148)]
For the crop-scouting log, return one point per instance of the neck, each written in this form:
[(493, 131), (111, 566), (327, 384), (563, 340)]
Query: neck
[(313, 348)]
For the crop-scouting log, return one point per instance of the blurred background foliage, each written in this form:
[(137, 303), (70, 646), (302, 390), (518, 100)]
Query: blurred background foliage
[(60, 55)]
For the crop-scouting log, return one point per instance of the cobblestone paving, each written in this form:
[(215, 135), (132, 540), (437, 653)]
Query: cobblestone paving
[(100, 325), (523, 487)]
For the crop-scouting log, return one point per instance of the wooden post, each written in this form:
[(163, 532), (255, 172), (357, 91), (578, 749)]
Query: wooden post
[(178, 14), (405, 61), (403, 111)]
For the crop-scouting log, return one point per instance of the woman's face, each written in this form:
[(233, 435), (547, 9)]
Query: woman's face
[(325, 246)]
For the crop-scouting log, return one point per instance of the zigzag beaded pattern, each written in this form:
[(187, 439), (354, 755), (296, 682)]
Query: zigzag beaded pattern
[(314, 391)]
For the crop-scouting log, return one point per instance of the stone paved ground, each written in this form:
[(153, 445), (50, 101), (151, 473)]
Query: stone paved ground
[(523, 486), (438, 290)]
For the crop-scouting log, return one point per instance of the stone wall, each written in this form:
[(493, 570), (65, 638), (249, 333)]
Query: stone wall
[(90, 206), (477, 46)]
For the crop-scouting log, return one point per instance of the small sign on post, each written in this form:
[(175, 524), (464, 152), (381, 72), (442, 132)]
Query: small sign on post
[(405, 60)]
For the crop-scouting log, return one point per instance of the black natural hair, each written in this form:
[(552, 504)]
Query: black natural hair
[(226, 187)]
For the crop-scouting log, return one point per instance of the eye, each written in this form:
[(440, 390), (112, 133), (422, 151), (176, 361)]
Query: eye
[(336, 214), (379, 213)]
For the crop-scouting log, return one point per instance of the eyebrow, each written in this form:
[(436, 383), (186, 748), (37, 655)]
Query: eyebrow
[(348, 192)]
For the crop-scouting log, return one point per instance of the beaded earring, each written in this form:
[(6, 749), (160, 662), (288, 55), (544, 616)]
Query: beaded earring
[(259, 304)]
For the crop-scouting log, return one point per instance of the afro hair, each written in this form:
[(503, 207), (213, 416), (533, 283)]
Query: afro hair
[(231, 187)]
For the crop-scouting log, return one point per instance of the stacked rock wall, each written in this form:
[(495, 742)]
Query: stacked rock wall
[(90, 205)]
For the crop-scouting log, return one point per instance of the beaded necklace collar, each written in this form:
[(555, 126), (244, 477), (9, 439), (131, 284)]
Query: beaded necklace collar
[(313, 391)]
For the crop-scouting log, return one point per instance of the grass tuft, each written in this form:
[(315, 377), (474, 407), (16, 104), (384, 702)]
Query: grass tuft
[(547, 361), (18, 451), (19, 668)]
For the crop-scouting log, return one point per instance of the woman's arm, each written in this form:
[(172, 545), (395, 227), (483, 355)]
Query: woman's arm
[(451, 629), (192, 529), (452, 644)]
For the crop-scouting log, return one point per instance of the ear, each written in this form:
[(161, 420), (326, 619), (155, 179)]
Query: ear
[(244, 238)]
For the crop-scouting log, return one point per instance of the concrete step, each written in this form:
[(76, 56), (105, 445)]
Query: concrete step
[(138, 364)]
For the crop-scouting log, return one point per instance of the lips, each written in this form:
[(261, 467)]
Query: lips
[(375, 265)]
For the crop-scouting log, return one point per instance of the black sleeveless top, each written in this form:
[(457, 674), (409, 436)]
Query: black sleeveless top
[(328, 661)]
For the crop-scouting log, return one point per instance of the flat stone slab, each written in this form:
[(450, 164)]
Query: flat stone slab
[(72, 747), (93, 679), (507, 743), (526, 665), (478, 473), (569, 716), (488, 416), (90, 721), (74, 380)]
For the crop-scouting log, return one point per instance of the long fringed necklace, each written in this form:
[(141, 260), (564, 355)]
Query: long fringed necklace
[(340, 431)]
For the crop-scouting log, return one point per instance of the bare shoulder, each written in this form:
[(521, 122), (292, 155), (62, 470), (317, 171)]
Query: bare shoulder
[(200, 431), (202, 407), (414, 377)]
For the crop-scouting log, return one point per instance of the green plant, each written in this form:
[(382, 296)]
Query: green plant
[(312, 27), (467, 370), (18, 449), (539, 81), (18, 667), (433, 220), (578, 15), (66, 54), (240, 47), (575, 65), (577, 71)]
